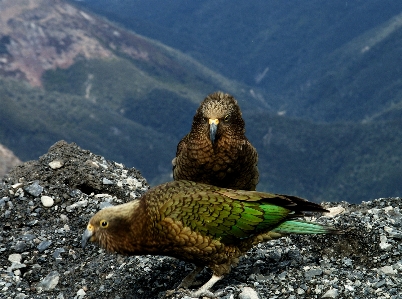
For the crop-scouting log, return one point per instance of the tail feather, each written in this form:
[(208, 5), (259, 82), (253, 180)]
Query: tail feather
[(304, 227), (296, 204)]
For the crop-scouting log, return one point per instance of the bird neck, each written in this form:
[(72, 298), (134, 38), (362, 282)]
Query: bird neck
[(130, 237)]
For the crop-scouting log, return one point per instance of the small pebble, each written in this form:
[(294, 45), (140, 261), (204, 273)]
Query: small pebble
[(44, 245), (81, 293), (56, 164), (50, 281), (389, 270), (248, 293), (57, 253), (82, 203), (16, 257), (383, 243), (105, 181), (16, 186), (313, 272), (34, 189), (47, 201)]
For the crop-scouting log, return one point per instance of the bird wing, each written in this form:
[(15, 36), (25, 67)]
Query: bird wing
[(229, 214), (181, 148), (182, 145)]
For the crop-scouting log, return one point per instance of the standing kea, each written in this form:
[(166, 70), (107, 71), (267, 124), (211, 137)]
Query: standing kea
[(216, 151), (202, 224)]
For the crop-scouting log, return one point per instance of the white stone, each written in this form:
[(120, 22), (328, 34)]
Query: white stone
[(15, 257), (331, 293), (388, 270), (119, 165), (50, 281), (383, 243), (56, 164), (82, 203), (133, 182), (81, 293), (248, 293), (102, 195), (16, 186), (47, 201), (349, 288)]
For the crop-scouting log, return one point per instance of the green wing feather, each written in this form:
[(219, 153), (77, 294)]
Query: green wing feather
[(235, 214)]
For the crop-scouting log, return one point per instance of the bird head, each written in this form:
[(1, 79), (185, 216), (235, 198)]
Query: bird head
[(109, 227), (219, 114)]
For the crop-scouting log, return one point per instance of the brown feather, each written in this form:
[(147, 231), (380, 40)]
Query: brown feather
[(188, 220), (230, 161)]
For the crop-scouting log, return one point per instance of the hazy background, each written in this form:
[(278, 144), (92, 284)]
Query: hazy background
[(319, 84)]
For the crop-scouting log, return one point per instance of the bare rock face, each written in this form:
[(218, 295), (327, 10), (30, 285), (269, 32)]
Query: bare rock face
[(39, 35), (7, 160), (45, 205), (72, 170)]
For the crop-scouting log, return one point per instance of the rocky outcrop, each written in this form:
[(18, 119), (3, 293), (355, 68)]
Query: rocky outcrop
[(45, 205), (42, 35), (39, 35)]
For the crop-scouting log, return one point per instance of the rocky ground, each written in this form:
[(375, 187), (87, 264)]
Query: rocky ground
[(45, 205)]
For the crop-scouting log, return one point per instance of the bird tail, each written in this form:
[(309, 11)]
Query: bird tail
[(304, 227)]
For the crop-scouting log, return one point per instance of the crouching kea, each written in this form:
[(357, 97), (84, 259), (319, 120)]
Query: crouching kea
[(202, 224)]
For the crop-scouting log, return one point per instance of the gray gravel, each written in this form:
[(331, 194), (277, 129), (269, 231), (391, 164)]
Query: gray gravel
[(45, 205)]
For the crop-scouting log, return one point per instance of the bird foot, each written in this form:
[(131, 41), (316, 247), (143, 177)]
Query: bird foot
[(203, 293), (204, 289), (169, 293), (193, 295)]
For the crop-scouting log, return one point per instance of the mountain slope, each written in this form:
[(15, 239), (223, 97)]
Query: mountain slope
[(361, 78), (320, 60), (31, 126), (327, 161), (69, 74), (43, 35), (96, 84)]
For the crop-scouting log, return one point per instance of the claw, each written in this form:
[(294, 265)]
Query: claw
[(204, 290)]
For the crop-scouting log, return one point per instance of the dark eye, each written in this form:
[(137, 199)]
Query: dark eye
[(226, 118), (104, 223)]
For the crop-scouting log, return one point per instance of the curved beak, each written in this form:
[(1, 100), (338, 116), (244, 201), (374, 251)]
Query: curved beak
[(213, 126), (86, 236)]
